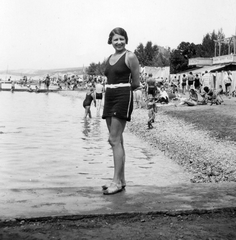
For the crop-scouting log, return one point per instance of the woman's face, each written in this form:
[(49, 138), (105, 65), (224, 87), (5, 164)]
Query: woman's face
[(118, 42)]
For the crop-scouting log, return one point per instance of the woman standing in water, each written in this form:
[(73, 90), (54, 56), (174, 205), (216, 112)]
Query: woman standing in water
[(122, 72), (89, 97)]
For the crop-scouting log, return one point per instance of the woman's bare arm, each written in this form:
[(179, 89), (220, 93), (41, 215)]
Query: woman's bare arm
[(133, 64)]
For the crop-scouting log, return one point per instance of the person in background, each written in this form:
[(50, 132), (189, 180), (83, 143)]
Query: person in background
[(206, 79), (163, 97), (151, 106), (25, 80), (122, 72), (190, 80), (12, 86), (47, 82), (99, 89), (89, 97), (191, 101), (228, 81), (211, 95), (197, 83), (151, 85), (184, 83), (175, 85), (138, 96)]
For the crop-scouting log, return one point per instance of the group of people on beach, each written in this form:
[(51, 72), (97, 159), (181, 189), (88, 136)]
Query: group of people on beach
[(198, 90), (185, 81)]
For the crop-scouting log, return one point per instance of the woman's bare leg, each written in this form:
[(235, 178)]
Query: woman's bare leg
[(87, 111), (116, 128), (123, 182), (98, 101)]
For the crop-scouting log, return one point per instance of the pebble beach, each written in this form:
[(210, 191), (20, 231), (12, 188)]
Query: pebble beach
[(207, 158)]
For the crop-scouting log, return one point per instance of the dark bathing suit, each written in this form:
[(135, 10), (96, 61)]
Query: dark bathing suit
[(151, 87), (190, 80), (184, 80), (87, 101), (98, 95), (119, 100), (197, 83)]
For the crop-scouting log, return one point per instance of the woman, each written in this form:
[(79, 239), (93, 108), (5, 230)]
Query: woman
[(122, 72), (191, 101), (197, 83), (89, 97)]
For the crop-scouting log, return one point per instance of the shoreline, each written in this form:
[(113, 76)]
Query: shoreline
[(207, 158)]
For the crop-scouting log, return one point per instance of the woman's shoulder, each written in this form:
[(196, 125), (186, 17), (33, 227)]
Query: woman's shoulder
[(130, 54), (106, 59), (131, 59)]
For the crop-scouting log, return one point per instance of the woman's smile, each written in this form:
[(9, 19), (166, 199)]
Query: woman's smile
[(118, 42)]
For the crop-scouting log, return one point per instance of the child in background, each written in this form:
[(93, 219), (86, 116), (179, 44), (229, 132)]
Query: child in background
[(151, 106)]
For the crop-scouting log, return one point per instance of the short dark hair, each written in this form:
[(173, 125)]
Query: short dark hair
[(119, 31)]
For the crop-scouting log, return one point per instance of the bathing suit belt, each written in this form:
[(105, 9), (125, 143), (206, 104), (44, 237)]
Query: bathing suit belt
[(118, 85)]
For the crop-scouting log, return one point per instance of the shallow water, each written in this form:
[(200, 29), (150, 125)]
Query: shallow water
[(45, 142)]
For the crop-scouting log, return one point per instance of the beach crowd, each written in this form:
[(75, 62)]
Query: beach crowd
[(185, 89)]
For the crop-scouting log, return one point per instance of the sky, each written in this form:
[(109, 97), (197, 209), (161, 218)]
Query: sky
[(52, 34)]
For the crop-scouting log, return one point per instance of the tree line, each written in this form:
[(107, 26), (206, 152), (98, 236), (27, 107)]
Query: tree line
[(153, 55)]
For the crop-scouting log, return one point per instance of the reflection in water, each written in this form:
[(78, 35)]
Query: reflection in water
[(96, 125), (86, 128), (92, 128)]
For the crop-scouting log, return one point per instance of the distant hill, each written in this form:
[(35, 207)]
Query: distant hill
[(43, 72)]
